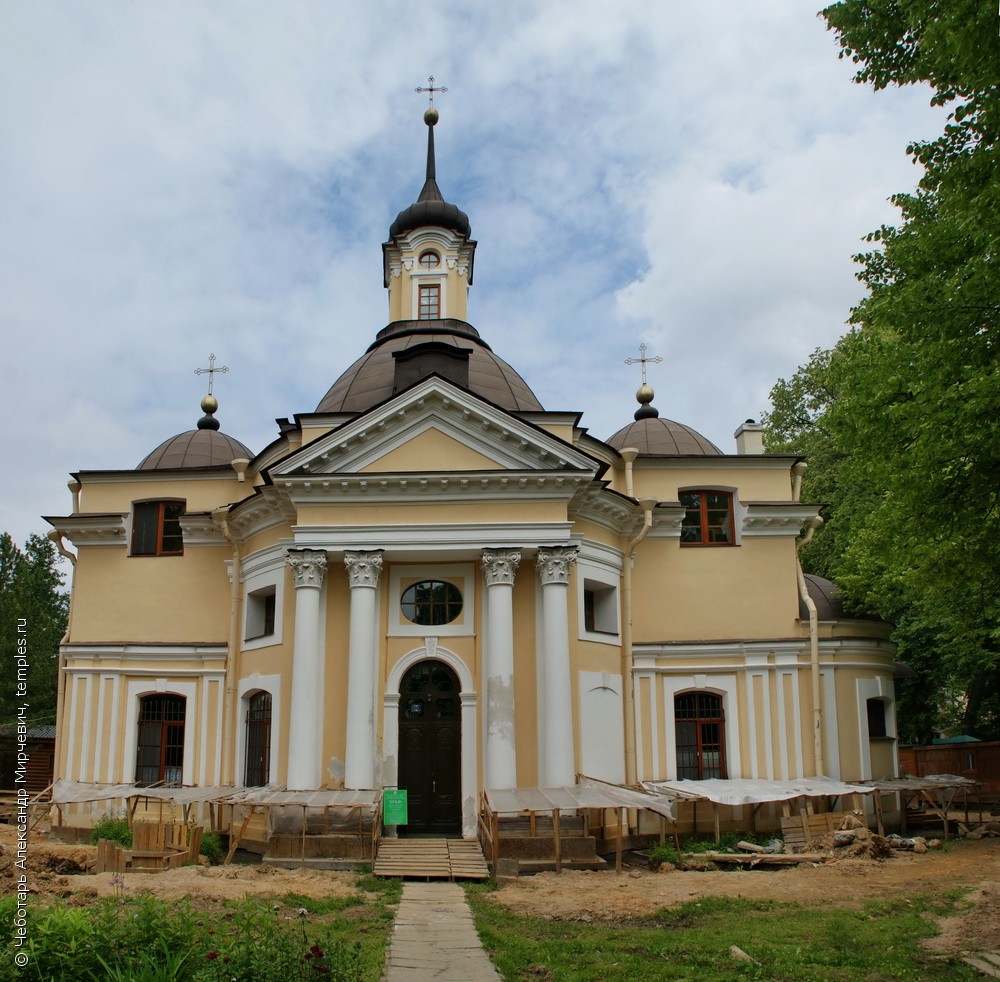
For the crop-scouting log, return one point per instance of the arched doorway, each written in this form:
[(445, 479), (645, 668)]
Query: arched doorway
[(430, 747)]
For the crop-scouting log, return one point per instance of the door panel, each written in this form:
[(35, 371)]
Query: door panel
[(430, 744)]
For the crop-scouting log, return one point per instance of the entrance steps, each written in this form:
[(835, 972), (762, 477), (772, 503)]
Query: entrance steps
[(431, 859)]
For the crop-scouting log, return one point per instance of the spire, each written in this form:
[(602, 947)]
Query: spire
[(430, 190)]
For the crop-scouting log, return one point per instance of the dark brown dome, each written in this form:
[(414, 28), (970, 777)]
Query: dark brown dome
[(655, 436), (373, 378), (195, 448)]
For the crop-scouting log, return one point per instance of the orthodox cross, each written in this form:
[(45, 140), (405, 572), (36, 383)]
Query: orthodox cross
[(210, 371), (431, 89), (643, 360)]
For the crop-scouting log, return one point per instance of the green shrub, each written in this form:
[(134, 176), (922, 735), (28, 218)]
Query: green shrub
[(115, 829), (211, 847)]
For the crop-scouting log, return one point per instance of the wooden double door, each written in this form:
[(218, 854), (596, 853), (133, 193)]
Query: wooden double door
[(430, 748)]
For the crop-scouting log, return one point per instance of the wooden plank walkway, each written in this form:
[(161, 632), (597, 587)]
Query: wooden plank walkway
[(431, 859)]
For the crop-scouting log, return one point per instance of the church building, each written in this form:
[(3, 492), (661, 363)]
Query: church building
[(432, 582)]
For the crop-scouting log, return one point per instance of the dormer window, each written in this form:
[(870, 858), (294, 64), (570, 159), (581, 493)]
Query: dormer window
[(430, 302), (429, 260)]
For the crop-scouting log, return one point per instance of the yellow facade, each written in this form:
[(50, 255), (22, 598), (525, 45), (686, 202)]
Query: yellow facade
[(420, 582)]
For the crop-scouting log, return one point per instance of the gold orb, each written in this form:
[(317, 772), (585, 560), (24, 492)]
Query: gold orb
[(209, 404), (431, 116)]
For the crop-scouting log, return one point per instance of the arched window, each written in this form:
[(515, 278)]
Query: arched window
[(257, 772), (700, 727), (160, 742)]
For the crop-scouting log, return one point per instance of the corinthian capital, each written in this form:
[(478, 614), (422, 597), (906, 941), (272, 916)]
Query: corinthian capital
[(554, 563), (363, 568), (308, 567), (500, 566)]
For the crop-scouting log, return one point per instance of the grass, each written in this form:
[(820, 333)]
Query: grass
[(266, 938), (880, 941)]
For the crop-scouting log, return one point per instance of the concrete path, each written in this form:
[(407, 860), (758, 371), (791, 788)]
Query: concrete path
[(434, 939)]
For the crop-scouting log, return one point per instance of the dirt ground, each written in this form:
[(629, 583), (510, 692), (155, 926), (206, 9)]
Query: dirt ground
[(58, 870), (582, 895)]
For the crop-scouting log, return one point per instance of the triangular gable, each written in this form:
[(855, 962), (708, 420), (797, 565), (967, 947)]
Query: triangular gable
[(446, 452), (435, 413)]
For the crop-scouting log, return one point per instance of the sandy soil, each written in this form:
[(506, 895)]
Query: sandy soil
[(58, 870)]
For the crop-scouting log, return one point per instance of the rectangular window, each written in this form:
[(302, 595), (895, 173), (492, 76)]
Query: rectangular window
[(160, 744), (260, 613), (876, 718), (156, 528), (430, 302), (600, 607), (708, 518)]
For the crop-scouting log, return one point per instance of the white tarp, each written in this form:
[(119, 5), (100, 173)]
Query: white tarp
[(71, 792), (932, 782), (589, 793), (310, 799), (748, 791)]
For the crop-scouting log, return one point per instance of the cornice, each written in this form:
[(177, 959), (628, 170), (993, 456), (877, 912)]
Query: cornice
[(776, 518), (768, 462), (260, 512), (199, 529), (92, 529), (601, 507), (424, 539), (437, 487)]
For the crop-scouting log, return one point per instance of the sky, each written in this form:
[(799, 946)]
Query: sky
[(184, 178)]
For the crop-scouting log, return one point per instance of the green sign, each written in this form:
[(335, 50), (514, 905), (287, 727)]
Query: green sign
[(394, 807)]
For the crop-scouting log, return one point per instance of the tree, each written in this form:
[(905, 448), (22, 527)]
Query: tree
[(903, 415), (33, 614)]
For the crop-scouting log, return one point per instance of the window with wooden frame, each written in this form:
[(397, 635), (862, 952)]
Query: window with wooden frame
[(700, 729), (429, 260), (156, 528), (257, 772), (430, 302), (708, 518), (160, 742)]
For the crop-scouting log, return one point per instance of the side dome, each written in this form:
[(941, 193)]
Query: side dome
[(654, 436), (205, 446), (377, 375), (195, 448)]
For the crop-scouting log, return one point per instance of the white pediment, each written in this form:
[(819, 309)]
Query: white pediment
[(434, 427)]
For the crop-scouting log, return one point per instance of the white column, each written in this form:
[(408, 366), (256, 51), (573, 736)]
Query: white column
[(554, 564), (499, 568), (305, 731), (363, 570)]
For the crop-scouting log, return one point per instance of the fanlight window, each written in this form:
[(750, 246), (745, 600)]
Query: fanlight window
[(430, 692)]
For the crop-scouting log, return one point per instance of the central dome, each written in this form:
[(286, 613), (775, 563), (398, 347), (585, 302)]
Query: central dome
[(376, 375)]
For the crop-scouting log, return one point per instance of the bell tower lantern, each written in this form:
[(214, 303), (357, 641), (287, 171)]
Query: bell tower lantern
[(428, 258)]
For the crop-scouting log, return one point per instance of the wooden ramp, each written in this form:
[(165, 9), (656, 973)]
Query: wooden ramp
[(431, 859)]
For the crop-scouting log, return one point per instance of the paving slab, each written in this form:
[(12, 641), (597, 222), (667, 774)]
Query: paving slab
[(434, 938)]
